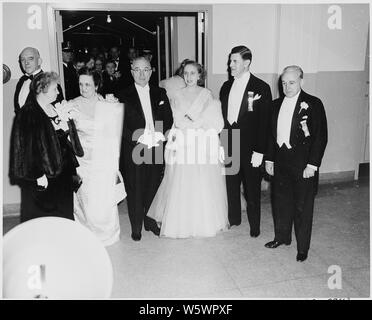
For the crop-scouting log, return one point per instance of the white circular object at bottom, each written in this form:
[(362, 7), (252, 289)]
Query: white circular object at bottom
[(55, 258)]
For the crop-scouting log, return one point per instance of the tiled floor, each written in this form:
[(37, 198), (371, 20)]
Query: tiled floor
[(234, 265)]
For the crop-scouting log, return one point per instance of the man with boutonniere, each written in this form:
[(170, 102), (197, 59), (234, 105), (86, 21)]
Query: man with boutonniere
[(246, 103), (298, 138)]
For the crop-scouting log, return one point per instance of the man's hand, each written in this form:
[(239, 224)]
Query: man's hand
[(308, 172), (256, 159), (42, 181), (269, 166)]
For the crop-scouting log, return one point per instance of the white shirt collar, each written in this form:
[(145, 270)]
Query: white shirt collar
[(145, 88), (34, 73), (294, 98), (244, 77)]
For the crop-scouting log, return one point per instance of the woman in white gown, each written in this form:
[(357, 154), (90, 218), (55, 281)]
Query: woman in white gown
[(99, 125), (191, 200)]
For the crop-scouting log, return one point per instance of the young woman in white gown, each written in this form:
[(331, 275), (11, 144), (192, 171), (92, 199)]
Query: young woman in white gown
[(191, 200), (99, 125)]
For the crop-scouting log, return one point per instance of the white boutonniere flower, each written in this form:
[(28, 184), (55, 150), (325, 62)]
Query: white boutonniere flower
[(252, 97), (303, 106), (161, 102)]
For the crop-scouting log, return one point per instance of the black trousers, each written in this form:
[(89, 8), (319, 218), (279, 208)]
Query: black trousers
[(141, 183), (293, 199), (251, 178)]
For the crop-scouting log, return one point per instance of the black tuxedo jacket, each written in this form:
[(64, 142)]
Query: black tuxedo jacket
[(309, 149), (71, 82), (134, 118), (17, 107), (253, 125)]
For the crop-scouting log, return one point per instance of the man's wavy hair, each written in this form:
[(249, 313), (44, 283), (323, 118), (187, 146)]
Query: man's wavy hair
[(244, 52)]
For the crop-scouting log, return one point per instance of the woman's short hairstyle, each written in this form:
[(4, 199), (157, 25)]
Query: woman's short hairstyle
[(199, 67), (97, 79), (42, 81)]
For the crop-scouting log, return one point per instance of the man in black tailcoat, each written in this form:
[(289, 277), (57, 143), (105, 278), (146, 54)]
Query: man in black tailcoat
[(246, 102), (146, 107), (298, 138)]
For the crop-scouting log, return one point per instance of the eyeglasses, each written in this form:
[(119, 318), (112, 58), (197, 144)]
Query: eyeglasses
[(138, 70)]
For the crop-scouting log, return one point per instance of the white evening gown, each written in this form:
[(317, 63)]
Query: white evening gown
[(95, 203), (191, 200)]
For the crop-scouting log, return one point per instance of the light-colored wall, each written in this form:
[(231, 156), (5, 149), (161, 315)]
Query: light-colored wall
[(333, 61)]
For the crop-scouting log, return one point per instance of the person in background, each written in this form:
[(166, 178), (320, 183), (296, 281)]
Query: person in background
[(79, 62), (110, 80), (69, 72), (30, 63), (98, 65)]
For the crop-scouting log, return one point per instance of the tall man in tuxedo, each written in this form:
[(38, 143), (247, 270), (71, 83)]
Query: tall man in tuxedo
[(296, 146), (246, 102), (146, 107), (30, 63)]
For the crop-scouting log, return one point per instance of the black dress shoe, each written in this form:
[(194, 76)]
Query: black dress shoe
[(153, 228), (301, 256), (255, 234), (136, 236), (274, 244)]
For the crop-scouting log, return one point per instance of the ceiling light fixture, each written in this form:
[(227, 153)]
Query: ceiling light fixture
[(108, 19), (88, 28)]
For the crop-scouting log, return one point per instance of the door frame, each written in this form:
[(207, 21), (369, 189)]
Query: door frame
[(54, 8)]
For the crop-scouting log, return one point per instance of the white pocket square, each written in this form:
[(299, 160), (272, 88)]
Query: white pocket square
[(161, 102)]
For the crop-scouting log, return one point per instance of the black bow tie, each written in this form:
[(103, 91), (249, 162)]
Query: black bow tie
[(26, 77)]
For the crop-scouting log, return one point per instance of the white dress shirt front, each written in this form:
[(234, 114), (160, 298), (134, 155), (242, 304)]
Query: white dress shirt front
[(25, 90), (144, 95), (236, 96), (285, 116)]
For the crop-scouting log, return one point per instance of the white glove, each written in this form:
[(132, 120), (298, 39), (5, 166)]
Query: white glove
[(65, 110), (222, 155), (256, 159), (42, 181), (111, 98), (151, 139)]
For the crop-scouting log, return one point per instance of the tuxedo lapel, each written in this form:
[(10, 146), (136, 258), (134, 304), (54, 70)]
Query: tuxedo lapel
[(136, 102), (276, 116), (153, 100), (244, 103), (296, 118), (225, 103)]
